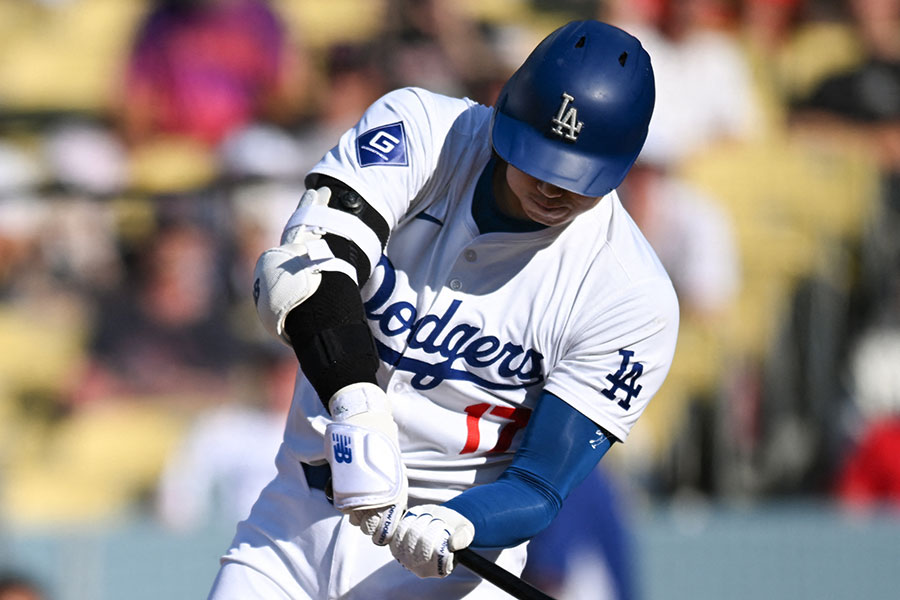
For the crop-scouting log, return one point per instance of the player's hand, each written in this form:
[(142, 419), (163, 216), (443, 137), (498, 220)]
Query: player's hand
[(368, 478), (428, 536), (379, 523)]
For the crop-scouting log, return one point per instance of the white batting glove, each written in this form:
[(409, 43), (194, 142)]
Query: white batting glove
[(428, 536), (368, 478), (379, 523)]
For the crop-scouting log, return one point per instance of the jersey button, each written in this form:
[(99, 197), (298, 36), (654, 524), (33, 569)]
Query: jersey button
[(470, 255), (455, 285)]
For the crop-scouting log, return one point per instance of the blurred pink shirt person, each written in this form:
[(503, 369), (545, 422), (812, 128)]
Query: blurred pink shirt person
[(202, 68)]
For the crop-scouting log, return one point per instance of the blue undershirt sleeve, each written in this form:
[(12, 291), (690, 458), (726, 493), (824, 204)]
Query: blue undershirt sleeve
[(559, 449)]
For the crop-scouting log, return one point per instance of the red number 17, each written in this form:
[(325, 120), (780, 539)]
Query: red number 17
[(518, 419)]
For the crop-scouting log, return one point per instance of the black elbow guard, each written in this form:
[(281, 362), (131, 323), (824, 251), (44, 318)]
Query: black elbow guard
[(331, 338)]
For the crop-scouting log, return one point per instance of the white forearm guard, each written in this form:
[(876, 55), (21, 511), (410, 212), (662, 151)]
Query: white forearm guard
[(288, 275), (363, 450), (284, 278)]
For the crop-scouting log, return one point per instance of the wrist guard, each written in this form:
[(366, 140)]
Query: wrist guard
[(362, 447)]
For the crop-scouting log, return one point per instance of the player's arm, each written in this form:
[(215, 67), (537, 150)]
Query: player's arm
[(560, 445), (341, 242), (307, 294), (559, 449)]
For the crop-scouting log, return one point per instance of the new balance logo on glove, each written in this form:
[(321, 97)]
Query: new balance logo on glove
[(343, 453)]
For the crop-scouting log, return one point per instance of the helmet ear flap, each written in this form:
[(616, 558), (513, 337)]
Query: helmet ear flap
[(577, 111)]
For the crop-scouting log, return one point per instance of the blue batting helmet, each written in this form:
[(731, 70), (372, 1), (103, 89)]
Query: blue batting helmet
[(576, 113)]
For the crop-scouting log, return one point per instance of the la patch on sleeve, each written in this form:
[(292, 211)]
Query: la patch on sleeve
[(385, 145)]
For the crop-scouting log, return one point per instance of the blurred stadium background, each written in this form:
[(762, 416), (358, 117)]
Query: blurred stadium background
[(150, 150)]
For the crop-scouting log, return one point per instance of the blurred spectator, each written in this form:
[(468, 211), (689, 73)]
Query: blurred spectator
[(20, 221), (871, 473), (695, 240), (704, 93), (858, 111), (354, 78), (433, 44), (769, 23), (85, 158), (351, 80), (705, 106), (869, 469), (227, 456), (587, 552), (52, 243), (203, 68), (166, 333), (769, 29), (20, 172), (691, 233), (14, 586), (22, 213), (861, 106), (791, 46)]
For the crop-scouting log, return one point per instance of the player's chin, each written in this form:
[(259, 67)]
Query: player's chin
[(549, 216)]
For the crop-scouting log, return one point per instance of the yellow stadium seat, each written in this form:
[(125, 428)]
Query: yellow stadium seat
[(41, 346), (67, 57), (96, 465), (172, 164), (789, 204), (317, 25)]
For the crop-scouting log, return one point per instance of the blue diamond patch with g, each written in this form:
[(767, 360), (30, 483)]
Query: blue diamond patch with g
[(385, 145)]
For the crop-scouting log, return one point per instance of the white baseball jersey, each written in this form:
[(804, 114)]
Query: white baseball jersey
[(470, 327)]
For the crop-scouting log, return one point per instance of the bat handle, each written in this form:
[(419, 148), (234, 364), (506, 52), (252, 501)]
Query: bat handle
[(500, 577)]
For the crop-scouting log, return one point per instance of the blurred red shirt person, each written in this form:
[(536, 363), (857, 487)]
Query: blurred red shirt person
[(871, 474)]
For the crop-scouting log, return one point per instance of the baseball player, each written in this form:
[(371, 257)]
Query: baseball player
[(476, 319)]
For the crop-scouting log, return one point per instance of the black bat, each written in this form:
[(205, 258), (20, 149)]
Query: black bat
[(503, 579)]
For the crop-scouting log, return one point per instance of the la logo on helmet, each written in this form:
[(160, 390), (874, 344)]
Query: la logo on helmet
[(567, 119)]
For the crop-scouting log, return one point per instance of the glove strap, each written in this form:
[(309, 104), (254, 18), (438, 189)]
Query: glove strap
[(356, 399)]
